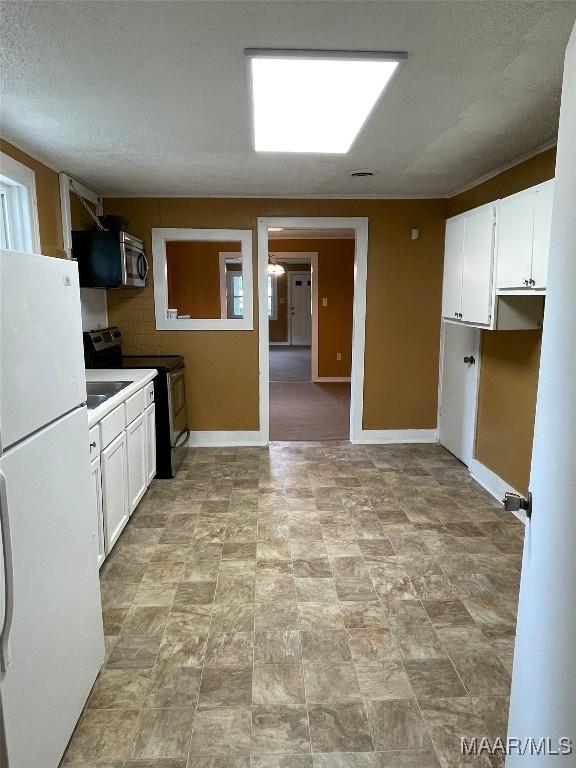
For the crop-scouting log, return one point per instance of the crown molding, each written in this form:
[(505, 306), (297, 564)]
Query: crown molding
[(503, 168)]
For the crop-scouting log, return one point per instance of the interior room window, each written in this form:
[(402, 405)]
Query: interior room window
[(202, 279), (272, 297), (234, 295), (18, 212)]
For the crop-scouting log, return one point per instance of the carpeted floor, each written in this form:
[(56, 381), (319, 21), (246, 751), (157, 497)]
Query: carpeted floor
[(290, 364), (307, 411)]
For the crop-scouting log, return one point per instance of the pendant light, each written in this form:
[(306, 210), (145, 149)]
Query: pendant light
[(274, 268)]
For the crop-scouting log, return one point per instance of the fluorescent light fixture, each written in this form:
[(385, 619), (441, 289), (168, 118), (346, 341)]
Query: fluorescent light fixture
[(315, 101)]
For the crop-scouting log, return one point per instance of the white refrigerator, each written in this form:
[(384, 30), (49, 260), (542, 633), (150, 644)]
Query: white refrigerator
[(51, 641)]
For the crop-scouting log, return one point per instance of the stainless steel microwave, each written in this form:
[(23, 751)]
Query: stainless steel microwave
[(109, 259)]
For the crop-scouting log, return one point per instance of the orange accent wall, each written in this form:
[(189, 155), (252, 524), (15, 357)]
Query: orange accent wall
[(48, 199), (193, 270), (403, 309), (510, 360)]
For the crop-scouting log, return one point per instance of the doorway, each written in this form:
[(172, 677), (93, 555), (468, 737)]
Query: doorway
[(311, 389)]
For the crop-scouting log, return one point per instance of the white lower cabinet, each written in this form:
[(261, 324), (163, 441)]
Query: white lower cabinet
[(150, 418), (123, 470), (95, 477), (137, 461), (113, 465)]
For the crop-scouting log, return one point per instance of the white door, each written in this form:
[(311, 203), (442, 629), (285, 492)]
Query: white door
[(300, 308), (42, 371), (96, 480), (543, 200), (150, 418), (453, 255), (457, 413), (136, 452), (477, 266), (55, 639), (114, 489), (514, 248)]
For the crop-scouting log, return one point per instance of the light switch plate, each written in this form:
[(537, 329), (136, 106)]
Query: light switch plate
[(324, 302)]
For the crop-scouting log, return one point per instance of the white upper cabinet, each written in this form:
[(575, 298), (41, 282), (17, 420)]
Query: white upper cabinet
[(468, 259), (542, 229), (477, 266), (514, 249), (453, 259), (524, 222), (496, 262)]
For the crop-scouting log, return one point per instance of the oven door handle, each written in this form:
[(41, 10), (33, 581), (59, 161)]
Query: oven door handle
[(179, 443)]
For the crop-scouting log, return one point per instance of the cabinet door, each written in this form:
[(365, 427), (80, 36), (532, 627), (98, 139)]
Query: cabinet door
[(150, 418), (137, 461), (477, 267), (114, 489), (453, 252), (514, 248), (543, 199), (96, 479)]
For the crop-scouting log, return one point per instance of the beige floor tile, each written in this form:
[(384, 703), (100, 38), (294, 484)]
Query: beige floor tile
[(275, 684)]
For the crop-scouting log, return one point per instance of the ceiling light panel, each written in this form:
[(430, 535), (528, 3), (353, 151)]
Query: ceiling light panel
[(307, 102)]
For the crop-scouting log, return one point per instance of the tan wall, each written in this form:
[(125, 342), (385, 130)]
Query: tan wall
[(403, 309), (335, 283), (193, 270), (48, 198), (510, 359)]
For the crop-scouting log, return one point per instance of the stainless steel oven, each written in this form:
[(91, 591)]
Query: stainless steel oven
[(178, 415)]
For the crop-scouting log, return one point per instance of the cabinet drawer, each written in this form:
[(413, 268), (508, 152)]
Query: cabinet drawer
[(135, 406), (112, 425), (149, 393), (94, 440)]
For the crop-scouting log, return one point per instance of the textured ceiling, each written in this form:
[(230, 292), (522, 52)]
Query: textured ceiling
[(152, 98)]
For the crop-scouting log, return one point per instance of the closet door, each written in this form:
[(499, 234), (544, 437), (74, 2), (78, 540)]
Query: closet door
[(477, 266), (543, 199), (514, 249), (453, 253)]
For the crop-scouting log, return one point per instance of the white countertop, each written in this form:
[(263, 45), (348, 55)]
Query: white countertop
[(138, 378)]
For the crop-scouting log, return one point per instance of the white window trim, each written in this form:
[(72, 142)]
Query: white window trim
[(16, 174), (159, 238)]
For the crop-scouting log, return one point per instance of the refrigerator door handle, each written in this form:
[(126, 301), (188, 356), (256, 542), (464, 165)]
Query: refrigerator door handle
[(5, 655)]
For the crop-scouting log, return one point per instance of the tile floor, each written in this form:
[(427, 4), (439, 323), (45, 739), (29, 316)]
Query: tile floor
[(322, 605)]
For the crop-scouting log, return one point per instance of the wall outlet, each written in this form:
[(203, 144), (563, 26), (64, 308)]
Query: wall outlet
[(324, 302), (338, 355)]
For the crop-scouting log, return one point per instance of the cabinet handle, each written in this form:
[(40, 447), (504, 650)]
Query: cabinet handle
[(470, 360), (93, 445)]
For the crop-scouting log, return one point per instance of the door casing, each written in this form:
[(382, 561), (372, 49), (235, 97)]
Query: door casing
[(360, 226)]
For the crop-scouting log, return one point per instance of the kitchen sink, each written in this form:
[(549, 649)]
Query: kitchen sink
[(100, 391)]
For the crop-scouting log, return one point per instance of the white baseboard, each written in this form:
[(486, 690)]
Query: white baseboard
[(231, 439), (279, 343), (384, 436), (494, 484), (329, 379)]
